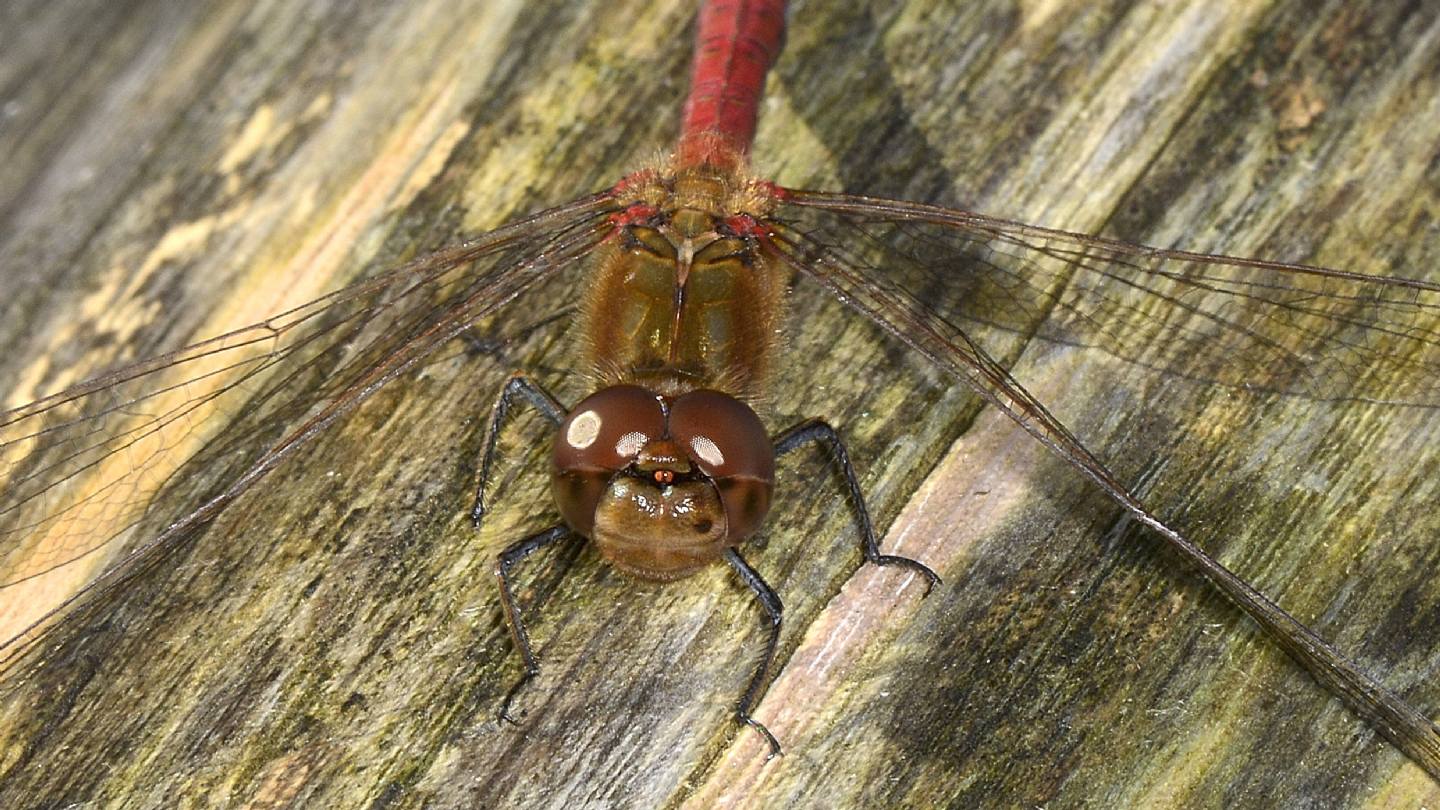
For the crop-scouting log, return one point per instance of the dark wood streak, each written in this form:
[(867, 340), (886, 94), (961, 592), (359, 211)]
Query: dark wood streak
[(336, 640)]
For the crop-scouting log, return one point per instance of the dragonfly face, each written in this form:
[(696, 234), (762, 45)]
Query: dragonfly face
[(662, 486)]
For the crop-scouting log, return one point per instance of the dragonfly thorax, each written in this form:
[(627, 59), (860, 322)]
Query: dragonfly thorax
[(686, 294)]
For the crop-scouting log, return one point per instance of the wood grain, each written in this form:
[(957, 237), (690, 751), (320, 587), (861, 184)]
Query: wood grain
[(334, 640)]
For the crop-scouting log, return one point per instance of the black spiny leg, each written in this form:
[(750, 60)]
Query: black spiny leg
[(771, 602), (508, 558), (537, 396), (494, 347), (814, 430)]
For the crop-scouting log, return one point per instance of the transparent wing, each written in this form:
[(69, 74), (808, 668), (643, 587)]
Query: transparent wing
[(1235, 322), (1246, 324), (81, 471)]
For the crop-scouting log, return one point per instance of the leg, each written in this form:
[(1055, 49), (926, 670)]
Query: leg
[(771, 602), (508, 558), (494, 346), (548, 406), (814, 430), (483, 346)]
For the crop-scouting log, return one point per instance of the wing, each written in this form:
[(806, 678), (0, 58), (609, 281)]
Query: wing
[(1244, 324), (81, 471)]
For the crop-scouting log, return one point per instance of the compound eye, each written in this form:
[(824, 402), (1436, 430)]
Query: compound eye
[(608, 428), (723, 436), (600, 437), (726, 440)]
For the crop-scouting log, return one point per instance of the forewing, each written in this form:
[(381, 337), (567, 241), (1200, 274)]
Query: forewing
[(1244, 324), (81, 471)]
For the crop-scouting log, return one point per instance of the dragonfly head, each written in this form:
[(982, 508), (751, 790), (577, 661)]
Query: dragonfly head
[(662, 485)]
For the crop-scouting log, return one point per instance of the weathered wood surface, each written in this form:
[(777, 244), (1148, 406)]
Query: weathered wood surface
[(171, 170)]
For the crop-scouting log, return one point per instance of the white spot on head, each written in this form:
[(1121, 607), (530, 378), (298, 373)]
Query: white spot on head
[(630, 444), (583, 430), (707, 451)]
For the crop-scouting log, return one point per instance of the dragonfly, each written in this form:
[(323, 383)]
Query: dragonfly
[(923, 236)]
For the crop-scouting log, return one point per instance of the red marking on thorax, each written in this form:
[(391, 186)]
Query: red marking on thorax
[(635, 180), (634, 213), (775, 192), (745, 225)]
